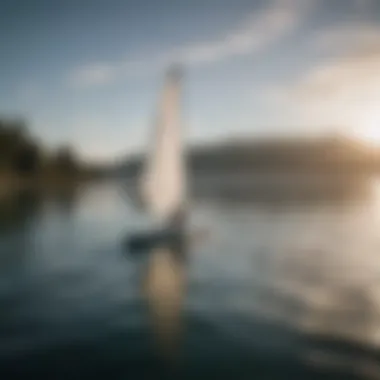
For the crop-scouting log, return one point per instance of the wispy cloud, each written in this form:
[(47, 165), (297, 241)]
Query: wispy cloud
[(334, 79), (349, 38), (340, 91), (256, 32), (354, 64), (96, 74)]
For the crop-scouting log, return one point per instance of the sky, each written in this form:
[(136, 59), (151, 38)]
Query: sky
[(89, 72)]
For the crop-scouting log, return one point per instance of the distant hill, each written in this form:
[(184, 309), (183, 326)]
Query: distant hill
[(334, 154)]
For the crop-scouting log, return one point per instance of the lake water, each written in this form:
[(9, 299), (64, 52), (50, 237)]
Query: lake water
[(277, 289)]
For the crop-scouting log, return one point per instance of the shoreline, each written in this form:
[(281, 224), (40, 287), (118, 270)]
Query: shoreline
[(14, 185)]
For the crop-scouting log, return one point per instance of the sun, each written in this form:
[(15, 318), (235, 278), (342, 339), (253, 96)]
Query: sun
[(369, 128)]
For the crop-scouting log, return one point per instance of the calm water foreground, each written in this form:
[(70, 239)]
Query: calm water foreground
[(278, 289)]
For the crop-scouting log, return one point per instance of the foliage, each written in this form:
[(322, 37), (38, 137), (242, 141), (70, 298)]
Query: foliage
[(21, 155)]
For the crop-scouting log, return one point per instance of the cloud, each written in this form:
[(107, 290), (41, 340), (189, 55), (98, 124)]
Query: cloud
[(343, 91), (356, 37), (352, 68), (337, 78), (96, 74), (255, 33)]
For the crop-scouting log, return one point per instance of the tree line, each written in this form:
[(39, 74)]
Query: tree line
[(23, 155)]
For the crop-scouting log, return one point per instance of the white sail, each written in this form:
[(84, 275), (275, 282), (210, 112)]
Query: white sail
[(163, 181)]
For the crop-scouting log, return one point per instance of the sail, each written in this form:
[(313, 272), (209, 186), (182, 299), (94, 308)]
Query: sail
[(163, 181)]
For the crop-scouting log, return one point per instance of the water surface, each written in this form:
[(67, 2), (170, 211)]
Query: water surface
[(279, 288)]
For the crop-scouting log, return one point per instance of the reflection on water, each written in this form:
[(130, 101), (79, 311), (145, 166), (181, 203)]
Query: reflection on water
[(164, 291), (16, 210), (279, 289)]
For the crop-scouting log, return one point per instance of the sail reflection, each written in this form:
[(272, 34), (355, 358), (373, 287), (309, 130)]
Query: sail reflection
[(164, 289)]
